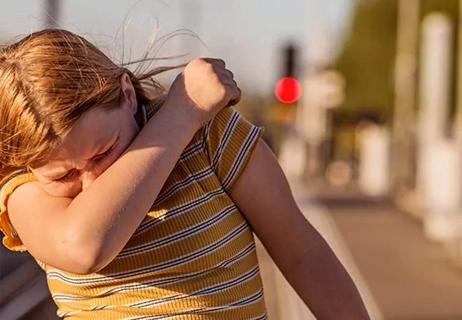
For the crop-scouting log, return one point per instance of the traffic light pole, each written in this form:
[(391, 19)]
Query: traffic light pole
[(51, 13)]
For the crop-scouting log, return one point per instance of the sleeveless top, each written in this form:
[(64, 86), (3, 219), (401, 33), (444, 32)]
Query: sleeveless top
[(192, 257)]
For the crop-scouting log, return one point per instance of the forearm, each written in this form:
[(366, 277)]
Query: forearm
[(108, 212), (324, 285)]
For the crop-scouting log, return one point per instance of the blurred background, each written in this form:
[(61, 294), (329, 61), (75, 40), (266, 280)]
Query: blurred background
[(361, 101)]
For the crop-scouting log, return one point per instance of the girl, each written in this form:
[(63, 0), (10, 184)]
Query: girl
[(87, 146)]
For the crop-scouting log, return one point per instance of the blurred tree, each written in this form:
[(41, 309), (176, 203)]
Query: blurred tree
[(368, 55), (367, 61), (449, 7)]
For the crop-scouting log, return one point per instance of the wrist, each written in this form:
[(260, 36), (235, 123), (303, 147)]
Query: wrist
[(184, 114)]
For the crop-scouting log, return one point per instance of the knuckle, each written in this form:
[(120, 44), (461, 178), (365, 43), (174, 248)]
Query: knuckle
[(212, 79), (222, 92), (209, 67), (221, 61), (197, 63), (214, 76), (204, 65)]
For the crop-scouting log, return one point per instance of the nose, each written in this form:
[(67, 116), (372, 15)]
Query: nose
[(88, 175), (87, 178)]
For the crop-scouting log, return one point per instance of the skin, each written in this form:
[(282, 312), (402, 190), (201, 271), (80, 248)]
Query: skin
[(83, 234), (97, 140), (89, 148), (297, 248), (303, 256)]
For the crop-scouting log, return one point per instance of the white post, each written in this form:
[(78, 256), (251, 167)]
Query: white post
[(455, 247), (374, 164), (441, 188), (438, 157), (435, 76), (311, 119)]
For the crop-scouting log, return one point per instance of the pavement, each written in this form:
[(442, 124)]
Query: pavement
[(401, 275), (409, 276)]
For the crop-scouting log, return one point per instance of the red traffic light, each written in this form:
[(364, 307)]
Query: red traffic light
[(288, 90)]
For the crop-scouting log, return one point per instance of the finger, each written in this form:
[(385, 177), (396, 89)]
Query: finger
[(239, 95), (234, 94), (229, 82), (227, 74), (233, 102)]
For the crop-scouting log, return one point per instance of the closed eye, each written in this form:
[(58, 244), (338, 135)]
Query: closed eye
[(104, 154), (65, 177), (97, 158)]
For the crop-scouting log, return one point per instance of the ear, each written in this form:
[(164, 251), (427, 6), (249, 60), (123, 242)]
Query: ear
[(128, 93)]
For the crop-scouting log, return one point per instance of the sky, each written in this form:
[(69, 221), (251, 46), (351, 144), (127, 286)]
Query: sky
[(247, 34)]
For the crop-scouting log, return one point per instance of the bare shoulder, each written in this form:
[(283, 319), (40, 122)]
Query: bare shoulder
[(42, 225), (25, 191), (29, 197)]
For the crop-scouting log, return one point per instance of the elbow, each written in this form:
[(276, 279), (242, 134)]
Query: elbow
[(87, 265), (94, 265), (83, 262), (83, 255), (82, 269)]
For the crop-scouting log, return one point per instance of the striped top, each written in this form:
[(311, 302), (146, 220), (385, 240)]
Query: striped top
[(192, 257)]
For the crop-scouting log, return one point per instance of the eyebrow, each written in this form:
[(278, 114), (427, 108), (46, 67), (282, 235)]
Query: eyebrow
[(58, 174)]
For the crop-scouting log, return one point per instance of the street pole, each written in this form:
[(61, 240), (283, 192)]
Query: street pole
[(403, 171), (51, 13), (438, 182)]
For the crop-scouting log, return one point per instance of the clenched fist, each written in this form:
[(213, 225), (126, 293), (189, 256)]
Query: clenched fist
[(205, 87)]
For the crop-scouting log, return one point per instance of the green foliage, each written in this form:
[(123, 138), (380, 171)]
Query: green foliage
[(449, 7), (367, 58), (368, 55)]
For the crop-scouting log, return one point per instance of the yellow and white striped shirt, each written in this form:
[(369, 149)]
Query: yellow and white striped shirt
[(192, 257)]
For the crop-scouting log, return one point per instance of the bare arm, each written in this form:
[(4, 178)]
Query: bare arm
[(301, 253), (98, 222), (84, 234)]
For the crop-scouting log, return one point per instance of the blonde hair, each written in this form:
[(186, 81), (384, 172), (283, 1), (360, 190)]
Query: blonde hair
[(48, 80)]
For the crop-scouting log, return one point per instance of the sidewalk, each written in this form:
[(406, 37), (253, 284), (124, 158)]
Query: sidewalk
[(282, 301), (409, 276)]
